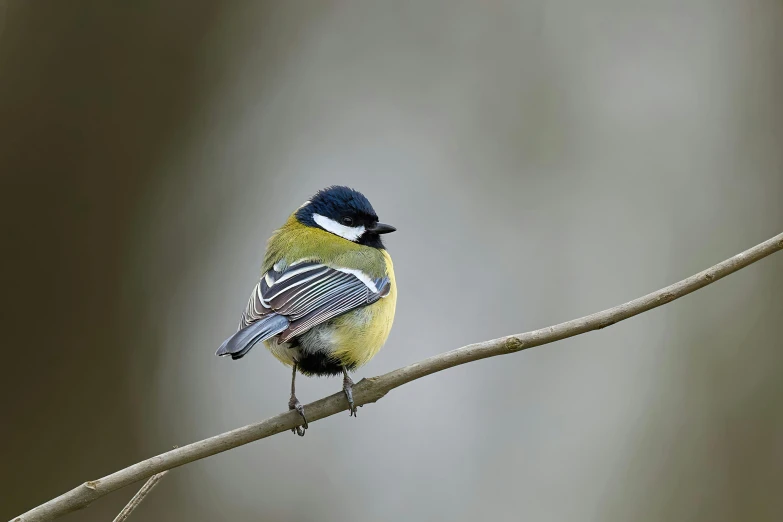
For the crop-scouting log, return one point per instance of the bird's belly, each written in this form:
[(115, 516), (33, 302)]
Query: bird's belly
[(312, 351), (340, 342), (349, 341), (359, 335)]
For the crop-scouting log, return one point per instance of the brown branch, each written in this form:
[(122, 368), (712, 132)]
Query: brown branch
[(138, 498), (372, 389)]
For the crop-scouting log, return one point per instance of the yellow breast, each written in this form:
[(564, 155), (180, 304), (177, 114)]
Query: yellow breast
[(361, 334)]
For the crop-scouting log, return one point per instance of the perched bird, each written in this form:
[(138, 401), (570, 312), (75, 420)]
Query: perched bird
[(325, 302)]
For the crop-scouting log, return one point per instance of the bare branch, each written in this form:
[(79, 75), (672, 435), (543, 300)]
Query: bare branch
[(138, 498), (372, 389)]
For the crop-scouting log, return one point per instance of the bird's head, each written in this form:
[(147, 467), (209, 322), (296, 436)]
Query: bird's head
[(346, 213)]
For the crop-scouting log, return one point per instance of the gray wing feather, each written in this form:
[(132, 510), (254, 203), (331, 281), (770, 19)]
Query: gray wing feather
[(307, 294), (330, 309), (241, 342)]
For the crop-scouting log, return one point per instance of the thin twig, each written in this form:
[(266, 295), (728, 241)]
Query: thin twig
[(138, 498), (372, 389)]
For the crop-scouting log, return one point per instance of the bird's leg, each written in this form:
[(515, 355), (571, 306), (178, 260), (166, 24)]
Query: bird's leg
[(294, 404), (348, 390)]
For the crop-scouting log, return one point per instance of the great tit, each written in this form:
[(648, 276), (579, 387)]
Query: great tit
[(325, 301)]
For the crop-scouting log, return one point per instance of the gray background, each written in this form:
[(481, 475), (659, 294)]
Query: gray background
[(541, 160)]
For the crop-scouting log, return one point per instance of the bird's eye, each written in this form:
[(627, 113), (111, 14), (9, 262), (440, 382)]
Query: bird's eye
[(347, 221)]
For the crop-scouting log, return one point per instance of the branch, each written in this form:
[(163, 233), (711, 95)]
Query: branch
[(373, 388), (138, 498)]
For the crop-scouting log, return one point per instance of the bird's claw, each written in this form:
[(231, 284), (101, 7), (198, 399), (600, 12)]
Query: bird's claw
[(348, 390), (294, 404)]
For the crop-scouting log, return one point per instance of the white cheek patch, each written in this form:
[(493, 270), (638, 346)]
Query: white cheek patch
[(330, 225)]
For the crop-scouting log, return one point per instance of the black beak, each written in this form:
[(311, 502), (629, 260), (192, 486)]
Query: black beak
[(380, 228)]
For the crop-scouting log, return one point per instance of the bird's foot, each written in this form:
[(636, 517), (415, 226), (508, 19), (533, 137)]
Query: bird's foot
[(294, 404), (348, 390)]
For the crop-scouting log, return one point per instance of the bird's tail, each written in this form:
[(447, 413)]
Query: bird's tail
[(241, 342)]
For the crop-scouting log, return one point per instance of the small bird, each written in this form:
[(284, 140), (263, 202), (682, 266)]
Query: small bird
[(325, 302)]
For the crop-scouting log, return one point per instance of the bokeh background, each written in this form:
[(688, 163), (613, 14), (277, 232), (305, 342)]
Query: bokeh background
[(542, 160)]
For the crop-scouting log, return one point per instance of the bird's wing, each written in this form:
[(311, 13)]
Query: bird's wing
[(308, 293)]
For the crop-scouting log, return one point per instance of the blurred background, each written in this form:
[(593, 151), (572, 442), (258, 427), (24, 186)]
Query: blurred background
[(576, 154)]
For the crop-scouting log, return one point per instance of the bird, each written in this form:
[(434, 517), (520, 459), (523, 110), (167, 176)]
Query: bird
[(325, 301)]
